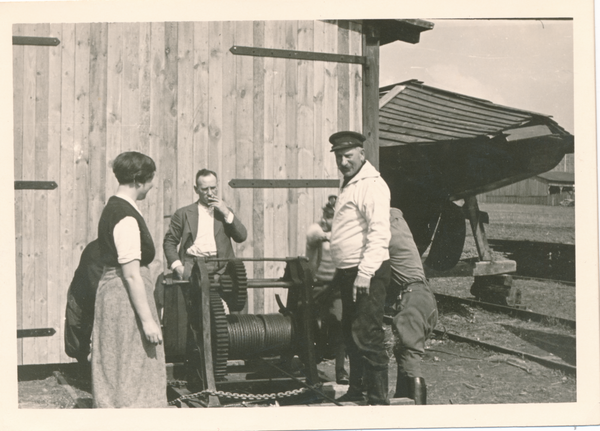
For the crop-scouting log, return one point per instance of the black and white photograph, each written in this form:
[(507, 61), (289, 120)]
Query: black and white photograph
[(267, 211)]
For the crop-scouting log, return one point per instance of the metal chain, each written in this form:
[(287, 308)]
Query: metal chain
[(177, 383), (244, 397)]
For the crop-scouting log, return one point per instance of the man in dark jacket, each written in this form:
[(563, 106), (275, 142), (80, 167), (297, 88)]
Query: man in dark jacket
[(204, 228)]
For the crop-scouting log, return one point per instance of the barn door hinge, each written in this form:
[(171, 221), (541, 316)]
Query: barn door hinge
[(237, 183), (38, 41), (297, 55), (35, 185), (37, 332)]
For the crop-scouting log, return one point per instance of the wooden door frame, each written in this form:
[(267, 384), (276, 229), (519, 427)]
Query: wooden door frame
[(370, 92)]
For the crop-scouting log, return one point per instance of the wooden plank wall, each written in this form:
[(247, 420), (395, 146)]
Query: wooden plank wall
[(18, 112), (175, 92)]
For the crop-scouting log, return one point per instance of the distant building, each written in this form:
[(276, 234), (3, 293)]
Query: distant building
[(554, 187)]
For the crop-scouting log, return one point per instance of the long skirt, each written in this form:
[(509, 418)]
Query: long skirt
[(127, 370)]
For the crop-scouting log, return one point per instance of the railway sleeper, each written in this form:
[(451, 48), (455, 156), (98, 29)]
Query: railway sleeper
[(497, 289)]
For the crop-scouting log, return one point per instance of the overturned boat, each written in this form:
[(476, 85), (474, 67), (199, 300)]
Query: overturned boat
[(438, 147)]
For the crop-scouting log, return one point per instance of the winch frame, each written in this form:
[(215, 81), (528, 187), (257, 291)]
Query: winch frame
[(202, 347)]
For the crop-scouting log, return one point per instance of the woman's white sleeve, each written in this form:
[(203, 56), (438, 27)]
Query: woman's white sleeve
[(127, 240)]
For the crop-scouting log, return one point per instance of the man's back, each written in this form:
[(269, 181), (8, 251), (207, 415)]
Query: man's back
[(404, 256)]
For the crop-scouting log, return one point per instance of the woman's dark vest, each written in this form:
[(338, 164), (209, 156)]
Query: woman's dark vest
[(115, 210)]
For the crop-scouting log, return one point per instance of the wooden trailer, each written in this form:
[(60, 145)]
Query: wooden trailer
[(250, 100)]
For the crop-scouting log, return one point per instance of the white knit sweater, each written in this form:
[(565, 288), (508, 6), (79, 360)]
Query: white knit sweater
[(360, 235)]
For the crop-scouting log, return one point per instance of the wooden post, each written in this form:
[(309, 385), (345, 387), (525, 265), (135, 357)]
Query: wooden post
[(370, 89), (495, 288), (472, 210)]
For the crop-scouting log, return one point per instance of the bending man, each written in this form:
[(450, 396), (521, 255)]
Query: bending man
[(415, 309)]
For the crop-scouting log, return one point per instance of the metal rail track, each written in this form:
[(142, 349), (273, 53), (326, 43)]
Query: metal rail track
[(569, 369), (510, 311), (517, 313)]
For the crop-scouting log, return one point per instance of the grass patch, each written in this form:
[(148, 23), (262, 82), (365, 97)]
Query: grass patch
[(530, 223)]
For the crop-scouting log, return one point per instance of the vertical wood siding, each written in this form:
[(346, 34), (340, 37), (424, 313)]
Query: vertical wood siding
[(175, 92), (257, 304), (30, 198), (56, 294), (69, 258), (18, 116)]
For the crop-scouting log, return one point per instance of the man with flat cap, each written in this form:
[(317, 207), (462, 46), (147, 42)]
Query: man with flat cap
[(360, 238)]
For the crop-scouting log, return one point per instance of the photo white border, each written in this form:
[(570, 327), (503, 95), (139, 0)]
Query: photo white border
[(586, 411)]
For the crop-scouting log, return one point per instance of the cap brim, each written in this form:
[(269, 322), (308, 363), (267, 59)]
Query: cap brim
[(345, 146)]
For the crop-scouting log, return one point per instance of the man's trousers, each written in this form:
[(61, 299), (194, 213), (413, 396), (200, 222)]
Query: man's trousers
[(415, 318), (362, 321)]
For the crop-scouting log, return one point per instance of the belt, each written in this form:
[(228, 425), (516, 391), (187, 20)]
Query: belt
[(347, 270), (204, 255), (405, 285)]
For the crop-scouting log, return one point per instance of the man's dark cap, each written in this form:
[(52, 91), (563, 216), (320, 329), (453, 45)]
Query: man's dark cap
[(345, 140)]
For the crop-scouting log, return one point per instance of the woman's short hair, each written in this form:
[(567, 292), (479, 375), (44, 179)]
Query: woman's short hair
[(131, 167)]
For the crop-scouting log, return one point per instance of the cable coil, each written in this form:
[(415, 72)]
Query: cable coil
[(251, 335)]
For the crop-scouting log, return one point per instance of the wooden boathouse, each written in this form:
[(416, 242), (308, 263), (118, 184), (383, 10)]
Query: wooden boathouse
[(254, 101)]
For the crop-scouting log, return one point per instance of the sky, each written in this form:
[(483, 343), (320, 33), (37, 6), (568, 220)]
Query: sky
[(524, 64)]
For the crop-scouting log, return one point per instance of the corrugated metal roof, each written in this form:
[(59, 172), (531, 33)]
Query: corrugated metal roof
[(411, 112)]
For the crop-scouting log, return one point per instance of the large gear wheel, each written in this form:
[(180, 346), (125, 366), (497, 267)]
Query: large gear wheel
[(234, 284), (219, 336)]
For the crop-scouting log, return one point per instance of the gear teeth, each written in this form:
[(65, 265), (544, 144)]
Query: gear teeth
[(226, 285), (219, 336), (234, 285), (242, 290)]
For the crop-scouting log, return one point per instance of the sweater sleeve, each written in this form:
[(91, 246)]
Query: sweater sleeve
[(375, 208), (314, 238)]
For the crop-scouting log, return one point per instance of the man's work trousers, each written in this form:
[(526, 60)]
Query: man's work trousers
[(415, 319), (362, 321)]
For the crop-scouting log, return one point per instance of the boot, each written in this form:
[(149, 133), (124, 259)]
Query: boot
[(341, 377), (356, 388), (352, 395), (417, 390), (401, 385), (377, 387)]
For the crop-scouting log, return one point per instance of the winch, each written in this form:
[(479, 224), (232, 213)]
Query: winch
[(215, 350)]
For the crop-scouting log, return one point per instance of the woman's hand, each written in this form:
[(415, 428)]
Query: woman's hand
[(137, 293), (152, 332)]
